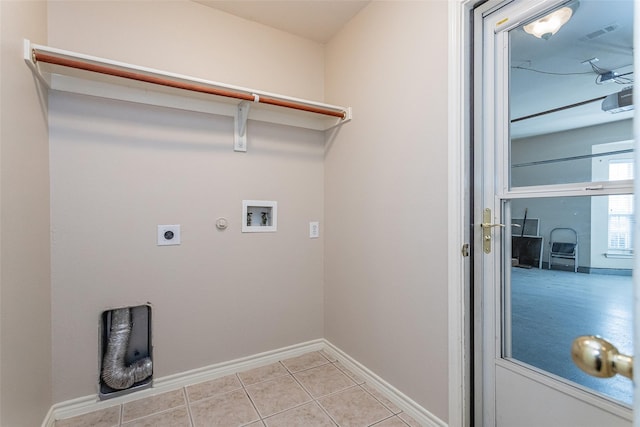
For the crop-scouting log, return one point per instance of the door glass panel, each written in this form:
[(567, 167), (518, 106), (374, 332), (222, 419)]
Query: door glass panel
[(568, 260), (549, 304), (570, 95)]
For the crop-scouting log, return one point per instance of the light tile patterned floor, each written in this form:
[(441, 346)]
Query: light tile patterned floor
[(309, 390)]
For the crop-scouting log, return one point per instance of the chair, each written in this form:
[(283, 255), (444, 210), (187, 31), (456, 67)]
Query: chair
[(564, 245)]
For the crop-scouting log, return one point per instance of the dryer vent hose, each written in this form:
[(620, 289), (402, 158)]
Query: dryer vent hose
[(114, 371)]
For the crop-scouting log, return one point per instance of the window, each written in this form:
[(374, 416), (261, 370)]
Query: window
[(620, 212), (612, 219)]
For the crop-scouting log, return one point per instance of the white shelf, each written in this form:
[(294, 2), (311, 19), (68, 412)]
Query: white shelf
[(69, 79)]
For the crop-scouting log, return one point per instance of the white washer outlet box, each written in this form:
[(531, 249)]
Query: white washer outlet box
[(168, 235)]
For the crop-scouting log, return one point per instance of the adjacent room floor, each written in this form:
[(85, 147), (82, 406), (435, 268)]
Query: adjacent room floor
[(309, 390), (550, 308)]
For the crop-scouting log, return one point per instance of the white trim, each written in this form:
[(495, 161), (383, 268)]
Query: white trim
[(458, 87), (636, 261), (49, 419), (218, 370), (86, 404)]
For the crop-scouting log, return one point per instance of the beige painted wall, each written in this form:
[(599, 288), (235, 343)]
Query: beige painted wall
[(385, 197), (25, 328), (185, 37), (120, 169)]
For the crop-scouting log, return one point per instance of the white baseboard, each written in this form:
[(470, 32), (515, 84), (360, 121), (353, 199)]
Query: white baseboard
[(49, 419), (182, 379), (86, 404)]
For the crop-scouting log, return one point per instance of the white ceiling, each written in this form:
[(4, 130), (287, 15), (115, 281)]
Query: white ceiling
[(317, 20), (564, 79)]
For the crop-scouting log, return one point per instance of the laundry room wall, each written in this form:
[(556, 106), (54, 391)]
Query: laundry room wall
[(119, 169), (386, 197), (25, 273)]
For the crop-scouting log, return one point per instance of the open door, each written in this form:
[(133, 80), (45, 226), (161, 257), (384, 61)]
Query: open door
[(554, 146)]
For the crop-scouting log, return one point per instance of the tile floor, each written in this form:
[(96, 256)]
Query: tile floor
[(308, 390)]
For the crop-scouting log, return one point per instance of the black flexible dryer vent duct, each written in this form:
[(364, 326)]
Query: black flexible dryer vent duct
[(114, 372)]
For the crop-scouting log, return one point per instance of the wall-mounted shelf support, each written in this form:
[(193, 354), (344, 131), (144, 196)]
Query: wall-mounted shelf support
[(79, 73), (240, 127)]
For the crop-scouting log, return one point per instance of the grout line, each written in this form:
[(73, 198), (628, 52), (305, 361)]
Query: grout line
[(246, 392), (388, 418), (269, 379), (253, 422), (321, 353), (316, 399), (289, 409), (406, 423), (307, 369), (355, 384), (302, 385), (339, 391), (161, 412), (380, 401), (326, 412), (187, 398), (353, 377), (309, 395), (188, 403), (328, 357), (311, 367)]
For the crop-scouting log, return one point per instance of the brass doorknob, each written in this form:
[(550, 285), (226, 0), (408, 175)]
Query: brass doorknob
[(598, 357)]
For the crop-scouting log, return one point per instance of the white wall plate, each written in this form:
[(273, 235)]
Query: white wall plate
[(169, 235)]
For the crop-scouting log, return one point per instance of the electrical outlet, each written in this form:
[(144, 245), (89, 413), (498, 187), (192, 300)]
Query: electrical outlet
[(314, 229), (168, 235)]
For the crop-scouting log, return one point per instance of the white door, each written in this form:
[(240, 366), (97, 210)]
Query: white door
[(553, 184)]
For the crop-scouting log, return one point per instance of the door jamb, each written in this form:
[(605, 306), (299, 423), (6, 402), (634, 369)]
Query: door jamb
[(459, 226)]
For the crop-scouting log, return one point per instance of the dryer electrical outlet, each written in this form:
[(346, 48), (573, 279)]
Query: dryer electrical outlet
[(168, 235)]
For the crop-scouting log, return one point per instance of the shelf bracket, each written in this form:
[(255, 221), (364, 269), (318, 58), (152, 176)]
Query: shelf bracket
[(240, 127)]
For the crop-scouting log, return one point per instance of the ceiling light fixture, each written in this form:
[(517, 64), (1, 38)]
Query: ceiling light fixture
[(548, 25)]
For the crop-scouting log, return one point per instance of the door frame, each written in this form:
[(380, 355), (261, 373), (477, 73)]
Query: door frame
[(460, 243), (459, 183)]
